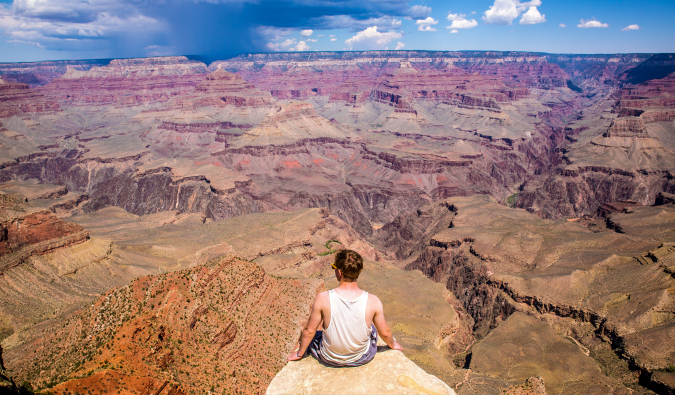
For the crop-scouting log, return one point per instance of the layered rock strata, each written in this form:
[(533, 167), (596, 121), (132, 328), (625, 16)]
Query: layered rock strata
[(221, 88), (18, 99), (40, 73), (25, 230), (127, 82), (622, 153)]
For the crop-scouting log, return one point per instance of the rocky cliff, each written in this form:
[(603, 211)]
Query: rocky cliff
[(389, 371), (25, 230)]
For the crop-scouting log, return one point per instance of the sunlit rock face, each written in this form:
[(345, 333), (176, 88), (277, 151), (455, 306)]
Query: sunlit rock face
[(389, 371)]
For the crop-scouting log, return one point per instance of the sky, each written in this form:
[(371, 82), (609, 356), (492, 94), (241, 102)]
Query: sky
[(34, 30)]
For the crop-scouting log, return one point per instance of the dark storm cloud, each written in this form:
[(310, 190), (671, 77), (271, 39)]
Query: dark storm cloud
[(216, 29)]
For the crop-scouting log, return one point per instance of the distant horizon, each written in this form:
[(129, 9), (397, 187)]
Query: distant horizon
[(201, 57), (221, 29)]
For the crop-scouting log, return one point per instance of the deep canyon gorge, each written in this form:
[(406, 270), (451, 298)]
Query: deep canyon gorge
[(166, 223)]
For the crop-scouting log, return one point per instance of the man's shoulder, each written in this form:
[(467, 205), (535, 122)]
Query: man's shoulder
[(373, 300), (322, 297)]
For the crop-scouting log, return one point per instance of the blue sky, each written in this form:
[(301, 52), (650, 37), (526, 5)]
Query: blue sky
[(32, 30)]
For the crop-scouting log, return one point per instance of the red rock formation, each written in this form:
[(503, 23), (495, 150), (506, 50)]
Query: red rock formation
[(25, 230), (652, 94), (532, 72), (221, 88), (452, 86), (17, 98), (224, 319), (627, 127), (310, 77), (352, 91), (127, 82)]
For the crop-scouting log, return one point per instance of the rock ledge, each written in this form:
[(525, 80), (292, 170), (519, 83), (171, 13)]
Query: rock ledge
[(390, 372)]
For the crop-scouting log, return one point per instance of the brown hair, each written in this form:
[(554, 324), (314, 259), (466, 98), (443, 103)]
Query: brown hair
[(350, 264)]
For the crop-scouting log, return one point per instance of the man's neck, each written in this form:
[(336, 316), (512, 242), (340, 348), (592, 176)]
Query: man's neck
[(348, 286)]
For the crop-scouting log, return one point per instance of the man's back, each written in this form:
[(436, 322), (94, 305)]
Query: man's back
[(359, 317), (346, 337), (374, 306)]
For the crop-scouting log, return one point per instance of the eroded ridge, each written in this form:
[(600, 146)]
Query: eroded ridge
[(174, 332)]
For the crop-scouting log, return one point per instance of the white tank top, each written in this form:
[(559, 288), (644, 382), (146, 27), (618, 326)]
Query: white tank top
[(347, 337)]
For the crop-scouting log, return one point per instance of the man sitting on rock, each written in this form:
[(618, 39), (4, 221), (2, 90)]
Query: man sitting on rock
[(351, 320)]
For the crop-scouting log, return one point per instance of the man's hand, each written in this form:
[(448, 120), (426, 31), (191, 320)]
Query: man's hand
[(397, 346), (294, 356)]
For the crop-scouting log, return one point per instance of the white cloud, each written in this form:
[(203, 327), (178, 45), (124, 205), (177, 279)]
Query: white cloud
[(532, 17), (302, 46), (562, 25), (419, 12), (630, 27), (399, 45), (591, 23), (282, 46), (424, 25), (459, 21), (332, 35), (320, 35), (290, 44), (453, 31), (306, 32), (271, 33), (74, 25), (503, 12), (333, 39), (356, 25), (371, 38), (312, 40)]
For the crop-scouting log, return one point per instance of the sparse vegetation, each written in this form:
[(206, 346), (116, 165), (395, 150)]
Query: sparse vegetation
[(329, 248), (511, 200)]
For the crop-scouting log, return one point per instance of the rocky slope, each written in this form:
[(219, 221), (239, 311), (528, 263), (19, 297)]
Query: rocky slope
[(27, 230), (227, 317)]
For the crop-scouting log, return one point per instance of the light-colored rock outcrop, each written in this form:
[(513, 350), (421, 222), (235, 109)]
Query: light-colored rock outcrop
[(390, 372)]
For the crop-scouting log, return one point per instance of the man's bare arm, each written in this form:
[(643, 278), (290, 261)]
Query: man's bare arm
[(308, 331), (381, 325)]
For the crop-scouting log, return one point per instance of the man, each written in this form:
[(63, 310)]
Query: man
[(350, 318)]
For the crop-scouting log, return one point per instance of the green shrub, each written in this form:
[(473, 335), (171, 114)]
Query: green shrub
[(511, 200)]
